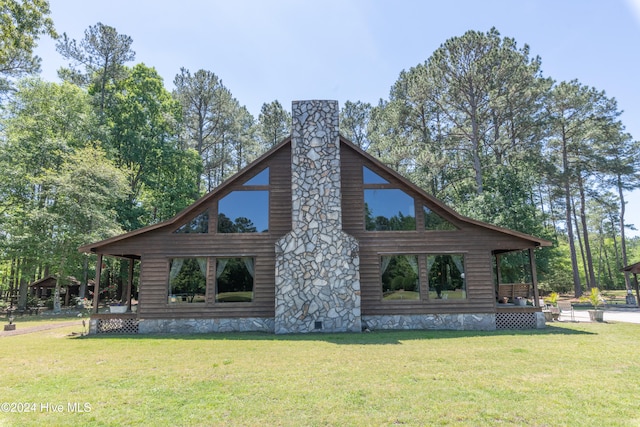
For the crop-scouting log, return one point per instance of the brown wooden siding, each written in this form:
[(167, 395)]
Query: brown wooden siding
[(474, 242), (159, 246)]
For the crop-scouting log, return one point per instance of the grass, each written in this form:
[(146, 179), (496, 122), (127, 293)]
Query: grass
[(572, 374)]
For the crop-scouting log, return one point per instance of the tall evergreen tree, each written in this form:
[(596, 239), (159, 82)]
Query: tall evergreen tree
[(274, 124), (98, 59), (21, 25), (354, 120)]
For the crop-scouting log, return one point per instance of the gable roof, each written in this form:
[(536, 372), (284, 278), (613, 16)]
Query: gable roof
[(247, 170)]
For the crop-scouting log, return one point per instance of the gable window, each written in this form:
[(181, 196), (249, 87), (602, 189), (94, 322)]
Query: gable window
[(246, 210), (400, 277), (386, 208), (433, 221), (199, 224), (187, 280), (234, 279), (260, 179), (370, 177), (446, 276)]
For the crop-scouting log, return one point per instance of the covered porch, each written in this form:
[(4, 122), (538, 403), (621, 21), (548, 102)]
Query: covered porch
[(635, 270), (119, 317), (516, 287)]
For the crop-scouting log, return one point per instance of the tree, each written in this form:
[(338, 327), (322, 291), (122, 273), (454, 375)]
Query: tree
[(354, 121), (274, 124), (58, 187), (142, 138), (83, 195), (215, 125), (623, 174), (21, 25), (477, 101), (102, 53), (199, 95), (580, 117)]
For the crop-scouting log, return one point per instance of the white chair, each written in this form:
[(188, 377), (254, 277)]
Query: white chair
[(565, 307)]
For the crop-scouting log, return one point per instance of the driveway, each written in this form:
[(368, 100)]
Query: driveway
[(613, 314)]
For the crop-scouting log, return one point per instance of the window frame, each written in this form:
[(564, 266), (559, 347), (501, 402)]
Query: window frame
[(246, 188), (423, 277), (215, 280), (388, 185), (419, 278), (171, 295)]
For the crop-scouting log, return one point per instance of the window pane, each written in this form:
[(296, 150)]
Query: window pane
[(370, 177), (400, 277), (446, 276), (187, 280), (389, 209), (244, 212), (199, 224), (433, 221), (234, 279), (261, 179)]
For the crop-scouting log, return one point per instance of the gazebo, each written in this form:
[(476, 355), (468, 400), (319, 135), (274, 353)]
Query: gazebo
[(44, 288)]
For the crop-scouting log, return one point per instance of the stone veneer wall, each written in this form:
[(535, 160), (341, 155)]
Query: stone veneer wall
[(317, 264), (454, 321), (195, 326)]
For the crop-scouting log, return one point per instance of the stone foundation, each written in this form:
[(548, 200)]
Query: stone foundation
[(458, 322), (202, 326)]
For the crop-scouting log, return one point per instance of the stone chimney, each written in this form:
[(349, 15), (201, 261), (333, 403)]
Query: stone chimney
[(317, 264)]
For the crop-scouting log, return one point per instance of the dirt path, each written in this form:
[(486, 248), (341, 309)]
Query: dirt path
[(44, 327)]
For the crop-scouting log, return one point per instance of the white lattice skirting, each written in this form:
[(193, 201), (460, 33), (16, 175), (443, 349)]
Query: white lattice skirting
[(519, 321), (115, 326)]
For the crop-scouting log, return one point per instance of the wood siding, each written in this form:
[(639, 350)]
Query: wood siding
[(157, 247), (474, 242)]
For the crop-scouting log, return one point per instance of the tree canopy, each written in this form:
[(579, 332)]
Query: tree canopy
[(476, 124)]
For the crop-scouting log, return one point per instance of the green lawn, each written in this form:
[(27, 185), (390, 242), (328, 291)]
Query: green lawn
[(569, 374)]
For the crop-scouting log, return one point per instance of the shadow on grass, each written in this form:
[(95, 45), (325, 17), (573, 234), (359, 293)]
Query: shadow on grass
[(365, 338)]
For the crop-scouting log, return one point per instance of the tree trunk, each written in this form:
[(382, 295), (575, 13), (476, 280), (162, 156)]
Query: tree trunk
[(23, 287), (577, 287), (82, 293), (623, 242), (579, 237), (585, 234), (56, 296)]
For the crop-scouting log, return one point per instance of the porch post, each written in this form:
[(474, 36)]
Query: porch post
[(498, 273), (130, 283), (635, 276), (534, 277), (96, 285)]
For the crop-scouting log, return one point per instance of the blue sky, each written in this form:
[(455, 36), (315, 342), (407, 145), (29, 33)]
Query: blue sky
[(355, 49)]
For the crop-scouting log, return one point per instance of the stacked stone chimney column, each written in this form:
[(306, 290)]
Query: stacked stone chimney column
[(317, 264)]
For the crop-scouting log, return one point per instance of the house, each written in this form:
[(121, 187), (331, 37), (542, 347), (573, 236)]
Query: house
[(318, 235)]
